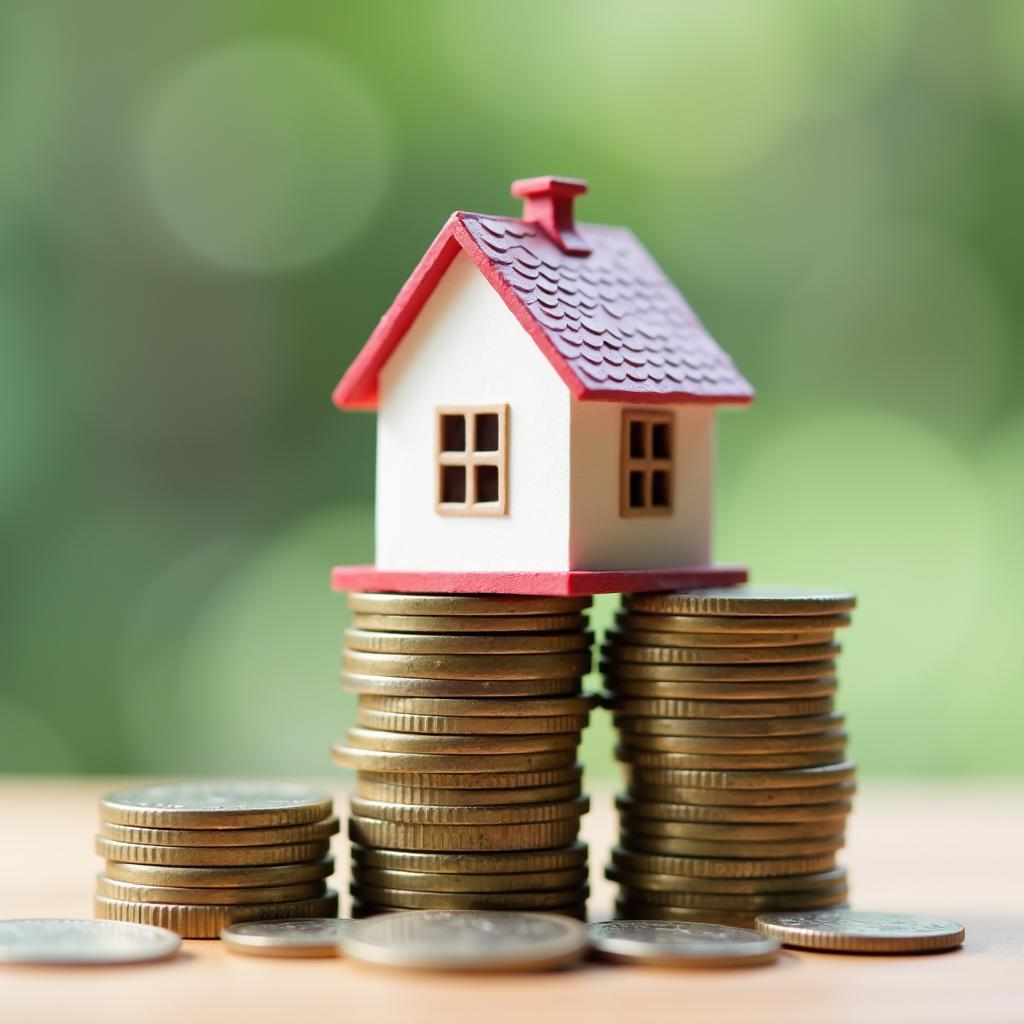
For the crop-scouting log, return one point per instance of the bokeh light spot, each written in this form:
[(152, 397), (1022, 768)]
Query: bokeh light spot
[(265, 155)]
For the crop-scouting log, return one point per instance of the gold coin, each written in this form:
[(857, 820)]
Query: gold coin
[(674, 708), (494, 743), (641, 629), (466, 643), (787, 672), (783, 624), (570, 856), (436, 881), (752, 728), (716, 850), (215, 805), (742, 799), (726, 762), (460, 604), (727, 831), (829, 739), (688, 883), (192, 922), (651, 912), (457, 689), (443, 725), (665, 811), (470, 623), (312, 832), (721, 692), (363, 910), (469, 666), (220, 878), (452, 764), (461, 797), (578, 705), (796, 778), (536, 835), (848, 931), (738, 904), (621, 648), (211, 856), (476, 780), (422, 814), (747, 599), (408, 899), (196, 896), (630, 859)]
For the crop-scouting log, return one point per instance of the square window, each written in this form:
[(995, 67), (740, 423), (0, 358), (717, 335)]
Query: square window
[(487, 432), (487, 483), (453, 432), (453, 485), (636, 439), (659, 440), (659, 489)]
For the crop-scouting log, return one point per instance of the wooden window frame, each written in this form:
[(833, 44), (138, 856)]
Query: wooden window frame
[(470, 459), (647, 464)]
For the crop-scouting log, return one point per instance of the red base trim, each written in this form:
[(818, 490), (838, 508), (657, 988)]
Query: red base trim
[(574, 583)]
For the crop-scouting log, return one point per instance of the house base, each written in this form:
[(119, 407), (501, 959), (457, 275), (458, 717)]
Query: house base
[(573, 583)]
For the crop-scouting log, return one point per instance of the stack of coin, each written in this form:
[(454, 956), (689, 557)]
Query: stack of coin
[(196, 857), (468, 792), (738, 787)]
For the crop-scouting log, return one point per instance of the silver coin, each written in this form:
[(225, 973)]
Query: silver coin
[(680, 944), (59, 940), (467, 940), (309, 936), (860, 931), (215, 805)]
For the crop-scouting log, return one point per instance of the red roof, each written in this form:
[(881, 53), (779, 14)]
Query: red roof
[(609, 321)]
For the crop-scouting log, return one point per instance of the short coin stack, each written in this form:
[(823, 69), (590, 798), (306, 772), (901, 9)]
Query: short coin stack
[(468, 792), (737, 783), (196, 857)]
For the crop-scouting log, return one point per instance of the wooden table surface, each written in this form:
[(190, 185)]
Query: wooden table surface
[(941, 848)]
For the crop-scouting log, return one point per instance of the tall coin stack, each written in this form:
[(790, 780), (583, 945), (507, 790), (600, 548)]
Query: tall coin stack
[(196, 857), (468, 792), (737, 783)]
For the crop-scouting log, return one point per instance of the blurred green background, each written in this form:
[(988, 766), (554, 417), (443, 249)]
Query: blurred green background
[(204, 208)]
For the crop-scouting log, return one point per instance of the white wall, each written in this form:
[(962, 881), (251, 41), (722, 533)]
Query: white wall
[(467, 348), (600, 539)]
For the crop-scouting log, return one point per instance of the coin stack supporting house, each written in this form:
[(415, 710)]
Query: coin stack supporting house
[(737, 784), (197, 857), (468, 794)]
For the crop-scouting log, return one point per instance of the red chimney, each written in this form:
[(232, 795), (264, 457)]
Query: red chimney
[(548, 202)]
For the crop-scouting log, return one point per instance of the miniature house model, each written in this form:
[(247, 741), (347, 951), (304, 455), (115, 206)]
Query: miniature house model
[(545, 401)]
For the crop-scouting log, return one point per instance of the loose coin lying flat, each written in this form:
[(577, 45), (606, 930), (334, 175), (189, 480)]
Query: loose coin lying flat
[(745, 600), (850, 931), (69, 941), (220, 878), (192, 922), (211, 856), (680, 944), (215, 805), (467, 941), (470, 623), (570, 856), (456, 604), (312, 832), (304, 936)]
